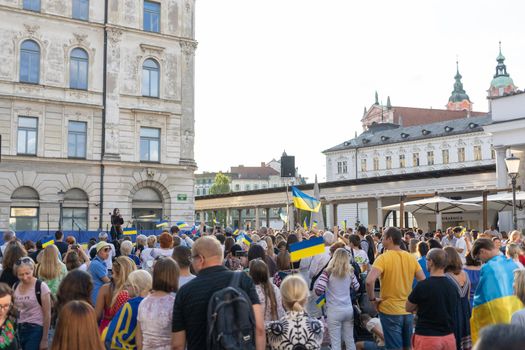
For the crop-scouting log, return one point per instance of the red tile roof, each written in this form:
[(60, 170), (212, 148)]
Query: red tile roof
[(419, 116)]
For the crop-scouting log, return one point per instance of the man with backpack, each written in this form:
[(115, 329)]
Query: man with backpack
[(218, 309)]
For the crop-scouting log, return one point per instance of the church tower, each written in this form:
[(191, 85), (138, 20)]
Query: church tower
[(501, 83), (459, 100)]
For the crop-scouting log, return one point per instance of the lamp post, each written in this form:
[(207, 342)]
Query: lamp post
[(60, 205), (513, 165)]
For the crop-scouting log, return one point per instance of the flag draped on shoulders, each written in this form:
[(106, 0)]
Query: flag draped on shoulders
[(305, 202), (494, 301)]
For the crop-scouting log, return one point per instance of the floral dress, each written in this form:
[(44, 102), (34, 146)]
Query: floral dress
[(7, 336), (295, 331)]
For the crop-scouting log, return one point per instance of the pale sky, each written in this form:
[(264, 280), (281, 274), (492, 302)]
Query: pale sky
[(294, 75)]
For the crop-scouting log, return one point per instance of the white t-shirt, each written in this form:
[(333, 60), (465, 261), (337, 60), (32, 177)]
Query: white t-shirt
[(360, 257), (462, 244), (373, 323)]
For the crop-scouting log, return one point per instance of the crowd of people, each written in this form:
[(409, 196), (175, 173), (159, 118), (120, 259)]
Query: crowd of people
[(383, 288)]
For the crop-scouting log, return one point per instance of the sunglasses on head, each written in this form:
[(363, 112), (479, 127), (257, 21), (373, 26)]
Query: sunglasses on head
[(24, 260)]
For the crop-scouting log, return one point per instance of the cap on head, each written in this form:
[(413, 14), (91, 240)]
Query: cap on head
[(101, 245), (103, 235)]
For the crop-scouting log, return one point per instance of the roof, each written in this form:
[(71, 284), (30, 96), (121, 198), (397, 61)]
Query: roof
[(417, 116), (252, 173), (433, 174), (381, 134)]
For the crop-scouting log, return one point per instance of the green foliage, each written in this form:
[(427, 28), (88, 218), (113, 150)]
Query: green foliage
[(221, 184)]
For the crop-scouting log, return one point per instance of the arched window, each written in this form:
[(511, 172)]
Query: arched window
[(78, 69), (75, 210), (146, 208), (24, 209), (29, 62), (150, 78)]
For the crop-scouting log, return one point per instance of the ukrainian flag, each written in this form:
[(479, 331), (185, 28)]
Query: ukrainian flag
[(246, 240), (236, 232), (314, 224), (321, 301), (181, 224), (494, 301), (47, 241), (305, 223), (129, 231), (305, 249), (163, 223), (305, 202)]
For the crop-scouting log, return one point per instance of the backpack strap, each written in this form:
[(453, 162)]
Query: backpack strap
[(38, 291), (312, 282), (236, 279)]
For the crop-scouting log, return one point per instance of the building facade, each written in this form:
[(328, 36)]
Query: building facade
[(96, 112)]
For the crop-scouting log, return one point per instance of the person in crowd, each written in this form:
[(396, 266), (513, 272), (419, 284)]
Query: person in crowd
[(294, 238), (518, 317), (191, 303), (373, 326), (166, 243), (473, 269), (233, 260), (515, 237), (501, 337), (397, 269), (77, 328), (435, 299), (295, 330), (145, 256), (156, 310), (270, 250), (422, 250), (461, 243), (121, 331), (13, 252), (269, 294), (459, 278), (450, 239), (412, 247), (497, 242), (116, 225), (30, 246), (76, 258), (103, 237), (8, 327), (77, 285), (51, 269), (513, 252), (494, 301), (358, 254), (434, 243), (493, 232), (125, 250), (228, 244), (34, 309), (319, 262), (182, 256), (256, 251), (113, 295), (8, 236), (98, 269), (335, 282), (283, 268), (59, 242)]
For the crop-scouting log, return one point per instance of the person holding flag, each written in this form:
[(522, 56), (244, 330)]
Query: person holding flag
[(494, 301)]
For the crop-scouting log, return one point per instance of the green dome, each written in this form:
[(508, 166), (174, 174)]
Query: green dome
[(501, 81), (458, 97)]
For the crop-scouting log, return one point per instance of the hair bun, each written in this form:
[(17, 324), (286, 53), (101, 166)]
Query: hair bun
[(297, 306)]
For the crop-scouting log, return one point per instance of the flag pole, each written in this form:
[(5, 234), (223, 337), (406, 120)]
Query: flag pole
[(287, 208)]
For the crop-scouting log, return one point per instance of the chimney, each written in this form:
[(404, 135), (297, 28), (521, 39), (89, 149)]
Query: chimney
[(263, 165)]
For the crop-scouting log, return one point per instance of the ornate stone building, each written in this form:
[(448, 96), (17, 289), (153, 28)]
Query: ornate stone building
[(96, 112)]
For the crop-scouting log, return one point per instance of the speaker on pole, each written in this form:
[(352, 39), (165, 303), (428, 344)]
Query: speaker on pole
[(287, 166)]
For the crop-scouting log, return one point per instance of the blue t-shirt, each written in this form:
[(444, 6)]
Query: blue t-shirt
[(423, 263), (97, 269)]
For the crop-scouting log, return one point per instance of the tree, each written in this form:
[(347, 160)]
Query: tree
[(221, 184)]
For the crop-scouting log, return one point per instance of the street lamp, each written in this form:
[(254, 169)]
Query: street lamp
[(513, 165), (60, 204)]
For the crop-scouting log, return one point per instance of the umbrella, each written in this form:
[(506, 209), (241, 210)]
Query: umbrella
[(500, 201), (438, 205)]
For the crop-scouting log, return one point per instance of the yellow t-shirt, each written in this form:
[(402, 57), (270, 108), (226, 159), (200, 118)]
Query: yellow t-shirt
[(398, 269)]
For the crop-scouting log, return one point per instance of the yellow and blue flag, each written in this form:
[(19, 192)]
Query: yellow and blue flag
[(215, 221), (306, 249), (47, 241), (343, 223), (305, 202), (314, 224), (129, 231), (321, 301), (163, 223), (181, 224), (236, 232), (246, 240), (494, 300), (305, 223)]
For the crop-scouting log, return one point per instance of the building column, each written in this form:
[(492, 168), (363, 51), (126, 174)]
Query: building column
[(379, 222), (268, 216), (228, 217), (335, 218), (291, 218), (501, 167), (329, 216), (241, 226), (257, 218)]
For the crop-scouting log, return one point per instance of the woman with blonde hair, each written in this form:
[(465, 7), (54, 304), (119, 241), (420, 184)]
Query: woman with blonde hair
[(121, 332), (50, 269), (519, 290), (113, 295), (270, 251), (295, 329), (335, 283), (513, 251), (77, 328)]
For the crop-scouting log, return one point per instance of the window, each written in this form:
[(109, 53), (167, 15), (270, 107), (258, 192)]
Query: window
[(492, 153), (27, 135), (151, 16), (29, 62), (402, 161), (76, 139), (461, 154), (444, 154), (363, 165), (81, 9), (237, 187), (430, 158), (415, 159), (477, 152), (198, 191), (388, 161), (149, 144), (264, 186), (23, 219), (78, 69), (376, 164), (247, 188), (32, 5), (74, 219), (256, 187), (342, 167), (150, 78)]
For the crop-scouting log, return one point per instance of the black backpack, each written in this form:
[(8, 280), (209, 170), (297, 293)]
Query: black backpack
[(38, 290), (370, 252), (231, 321)]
